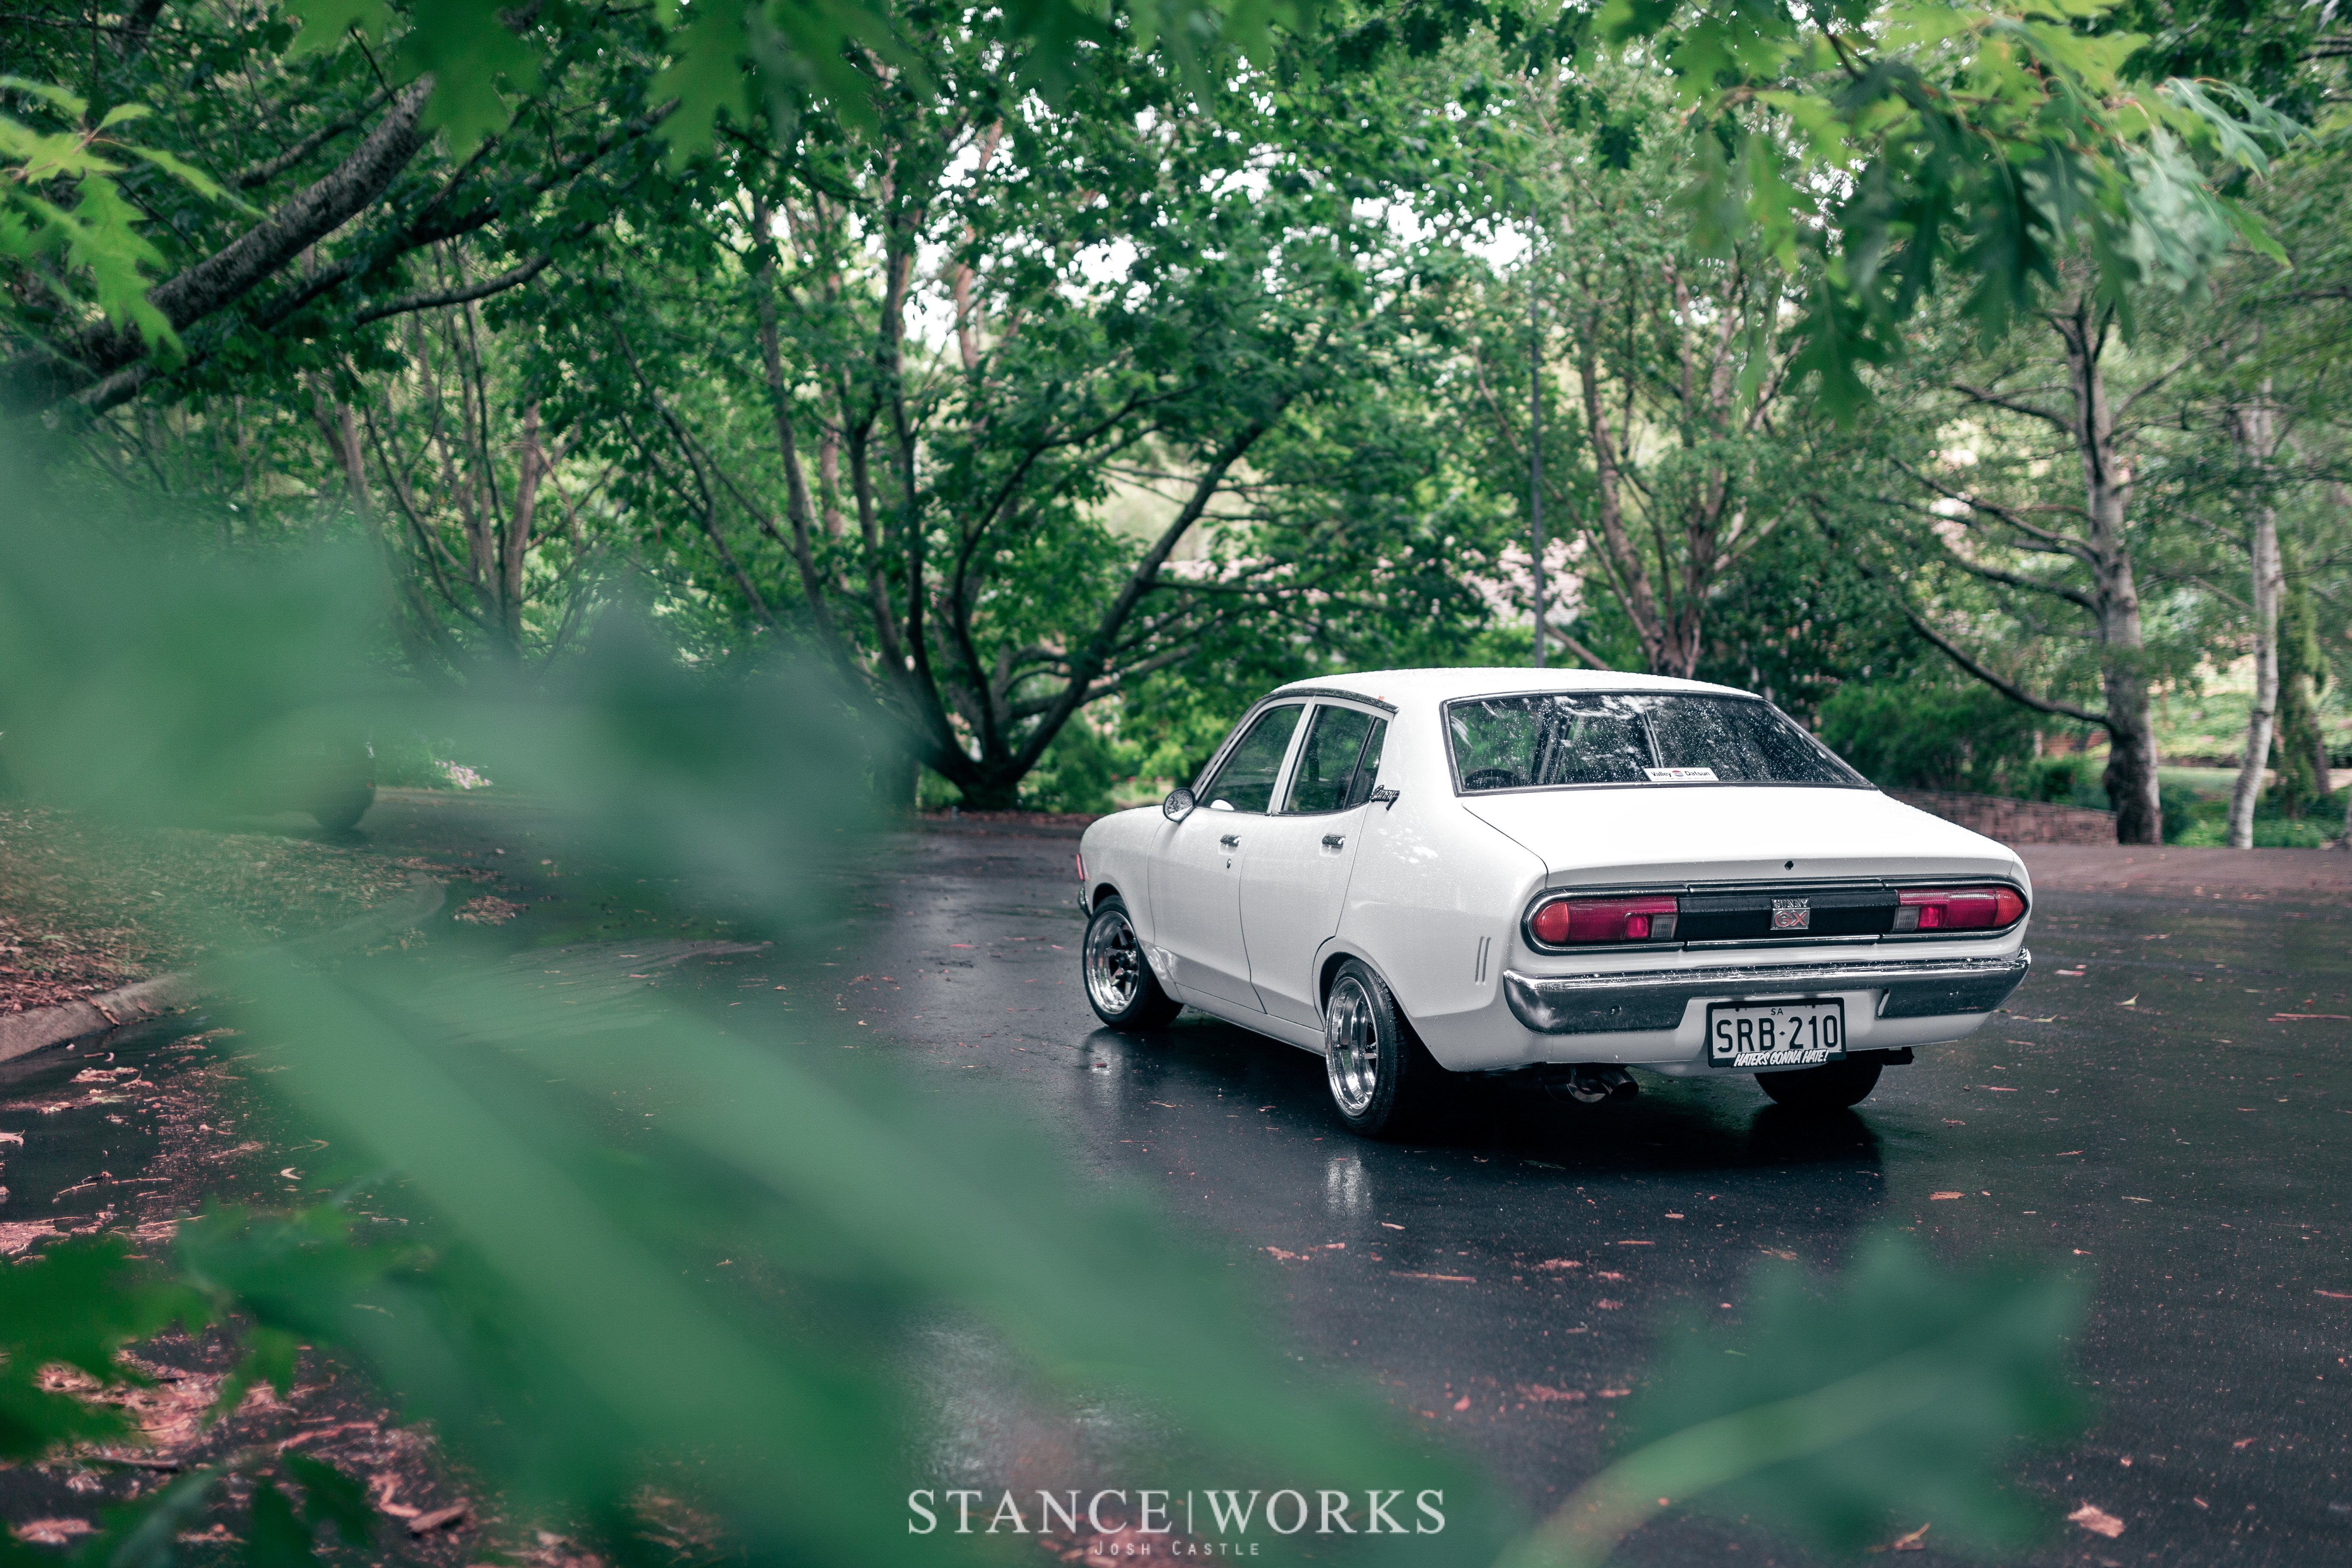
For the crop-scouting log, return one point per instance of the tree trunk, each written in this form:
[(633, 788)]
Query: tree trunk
[(2255, 430), (515, 553), (2130, 776)]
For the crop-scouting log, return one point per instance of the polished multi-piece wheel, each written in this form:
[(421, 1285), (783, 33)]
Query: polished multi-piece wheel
[(1120, 983)]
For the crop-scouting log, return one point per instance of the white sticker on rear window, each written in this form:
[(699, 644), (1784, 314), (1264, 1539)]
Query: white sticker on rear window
[(1681, 775)]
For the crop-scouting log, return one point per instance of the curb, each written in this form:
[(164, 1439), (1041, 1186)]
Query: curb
[(21, 1034)]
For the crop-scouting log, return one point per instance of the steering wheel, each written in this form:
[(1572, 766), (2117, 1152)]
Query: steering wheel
[(1491, 778)]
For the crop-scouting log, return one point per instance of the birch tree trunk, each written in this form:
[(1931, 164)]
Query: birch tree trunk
[(2255, 431), (2130, 776)]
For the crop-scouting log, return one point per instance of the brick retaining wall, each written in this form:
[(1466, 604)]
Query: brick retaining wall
[(2014, 821)]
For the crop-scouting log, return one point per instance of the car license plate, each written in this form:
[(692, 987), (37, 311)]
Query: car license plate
[(1748, 1036)]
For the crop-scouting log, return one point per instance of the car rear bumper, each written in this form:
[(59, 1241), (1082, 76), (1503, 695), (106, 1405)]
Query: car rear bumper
[(1615, 1003)]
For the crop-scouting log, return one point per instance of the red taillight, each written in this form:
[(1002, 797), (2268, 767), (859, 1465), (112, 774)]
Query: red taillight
[(1564, 922), (1958, 909)]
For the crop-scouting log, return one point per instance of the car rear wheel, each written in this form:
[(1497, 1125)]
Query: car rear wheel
[(1383, 1082), (1120, 986), (1832, 1085)]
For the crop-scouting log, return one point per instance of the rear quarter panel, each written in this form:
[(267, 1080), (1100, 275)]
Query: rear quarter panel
[(1431, 883)]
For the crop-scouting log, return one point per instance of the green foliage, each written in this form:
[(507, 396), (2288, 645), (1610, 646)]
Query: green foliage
[(1933, 730), (407, 761), (1078, 771), (1980, 142), (97, 244), (1894, 1393), (79, 1304), (559, 1323)]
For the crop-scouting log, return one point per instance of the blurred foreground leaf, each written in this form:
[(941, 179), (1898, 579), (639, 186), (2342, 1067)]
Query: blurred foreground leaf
[(556, 1313), (1902, 1389)]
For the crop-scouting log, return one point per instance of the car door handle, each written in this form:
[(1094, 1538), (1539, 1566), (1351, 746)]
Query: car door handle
[(1334, 840), (1231, 840)]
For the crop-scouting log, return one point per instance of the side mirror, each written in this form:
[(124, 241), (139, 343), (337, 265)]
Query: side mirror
[(1179, 803)]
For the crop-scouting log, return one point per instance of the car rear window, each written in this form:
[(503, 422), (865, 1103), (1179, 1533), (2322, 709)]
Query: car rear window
[(1632, 738)]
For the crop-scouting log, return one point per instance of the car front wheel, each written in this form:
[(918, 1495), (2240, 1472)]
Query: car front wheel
[(1384, 1083), (1120, 985), (1832, 1085)]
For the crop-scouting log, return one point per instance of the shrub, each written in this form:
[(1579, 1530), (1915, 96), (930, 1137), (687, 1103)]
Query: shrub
[(1933, 733), (414, 761)]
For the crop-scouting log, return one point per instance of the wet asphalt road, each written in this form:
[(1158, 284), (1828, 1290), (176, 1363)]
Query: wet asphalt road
[(2145, 1121)]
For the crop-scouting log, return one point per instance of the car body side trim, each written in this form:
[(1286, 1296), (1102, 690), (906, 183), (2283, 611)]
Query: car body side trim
[(1908, 988)]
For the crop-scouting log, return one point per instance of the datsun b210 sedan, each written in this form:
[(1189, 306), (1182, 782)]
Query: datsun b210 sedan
[(1565, 875)]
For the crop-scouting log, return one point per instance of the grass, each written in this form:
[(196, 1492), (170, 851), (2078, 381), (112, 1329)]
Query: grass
[(87, 905)]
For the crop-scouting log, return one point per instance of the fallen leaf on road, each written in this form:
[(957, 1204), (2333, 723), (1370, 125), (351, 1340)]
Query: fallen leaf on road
[(12, 1137), (2242, 1442), (1449, 1278), (2096, 1521), (2338, 1295), (1939, 1197), (1287, 1256), (1462, 1402), (2064, 1152), (14, 1238), (426, 1523), (52, 1531), (1615, 1392), (1784, 1257), (2129, 1001), (1543, 1394), (1608, 1306), (1911, 1542), (1386, 1226), (2297, 1017), (1550, 1264)]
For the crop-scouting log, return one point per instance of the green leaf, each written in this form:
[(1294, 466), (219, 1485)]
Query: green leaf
[(73, 106), (1896, 1392), (188, 174), (269, 1356), (705, 74), (475, 60), (274, 1536), (329, 1496), (144, 1534), (324, 22), (123, 112)]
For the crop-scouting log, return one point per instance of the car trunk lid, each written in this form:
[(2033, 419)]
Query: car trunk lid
[(1639, 834)]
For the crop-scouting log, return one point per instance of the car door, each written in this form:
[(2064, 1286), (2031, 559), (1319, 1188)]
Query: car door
[(1295, 878), (1196, 890)]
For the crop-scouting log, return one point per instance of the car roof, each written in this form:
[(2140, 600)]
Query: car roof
[(1399, 686)]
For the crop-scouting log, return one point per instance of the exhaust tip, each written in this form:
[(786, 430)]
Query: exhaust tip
[(1589, 1083)]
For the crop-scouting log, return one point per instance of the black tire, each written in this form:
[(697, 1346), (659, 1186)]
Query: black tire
[(1384, 1083), (1120, 986), (1832, 1085), (342, 811)]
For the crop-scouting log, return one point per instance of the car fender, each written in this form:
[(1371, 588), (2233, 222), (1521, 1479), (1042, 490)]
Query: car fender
[(1115, 852)]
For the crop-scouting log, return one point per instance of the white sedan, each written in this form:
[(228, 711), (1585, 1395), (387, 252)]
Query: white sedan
[(1422, 872)]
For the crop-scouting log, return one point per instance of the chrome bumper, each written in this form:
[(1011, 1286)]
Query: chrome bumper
[(1908, 988)]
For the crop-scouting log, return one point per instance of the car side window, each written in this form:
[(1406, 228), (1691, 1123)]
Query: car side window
[(1326, 762), (1247, 781), (1368, 771)]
